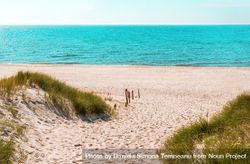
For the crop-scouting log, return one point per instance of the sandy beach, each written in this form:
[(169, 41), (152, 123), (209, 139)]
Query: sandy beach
[(171, 97)]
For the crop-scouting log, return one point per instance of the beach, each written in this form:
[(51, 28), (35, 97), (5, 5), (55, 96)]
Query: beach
[(171, 97)]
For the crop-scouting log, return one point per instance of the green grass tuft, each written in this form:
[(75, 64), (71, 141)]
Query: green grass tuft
[(12, 130), (228, 132), (6, 151), (83, 102), (20, 129)]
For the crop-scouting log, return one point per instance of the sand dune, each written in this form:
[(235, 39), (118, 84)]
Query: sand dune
[(171, 97)]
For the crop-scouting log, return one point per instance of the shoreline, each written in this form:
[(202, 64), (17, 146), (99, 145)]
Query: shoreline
[(124, 66)]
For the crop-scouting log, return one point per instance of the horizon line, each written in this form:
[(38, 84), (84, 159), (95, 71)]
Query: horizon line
[(215, 24)]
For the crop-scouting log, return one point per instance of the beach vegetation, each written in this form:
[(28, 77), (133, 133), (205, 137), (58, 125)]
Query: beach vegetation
[(222, 139), (84, 102), (10, 129), (6, 151)]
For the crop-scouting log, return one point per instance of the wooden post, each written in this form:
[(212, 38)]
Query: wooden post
[(132, 95), (139, 95), (126, 97)]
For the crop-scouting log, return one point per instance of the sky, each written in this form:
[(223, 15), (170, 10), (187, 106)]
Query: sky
[(119, 12)]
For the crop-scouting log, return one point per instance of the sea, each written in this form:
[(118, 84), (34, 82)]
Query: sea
[(190, 45)]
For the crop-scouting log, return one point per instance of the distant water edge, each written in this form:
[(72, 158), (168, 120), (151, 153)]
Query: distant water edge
[(126, 45)]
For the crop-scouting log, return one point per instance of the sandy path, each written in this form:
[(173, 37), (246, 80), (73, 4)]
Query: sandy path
[(171, 98)]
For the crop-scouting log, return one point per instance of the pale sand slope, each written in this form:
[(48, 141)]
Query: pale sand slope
[(171, 97)]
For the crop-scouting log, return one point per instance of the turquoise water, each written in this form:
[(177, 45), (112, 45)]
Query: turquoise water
[(126, 45)]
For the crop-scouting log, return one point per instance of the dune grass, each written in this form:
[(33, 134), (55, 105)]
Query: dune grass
[(11, 129), (227, 133), (83, 102), (6, 151)]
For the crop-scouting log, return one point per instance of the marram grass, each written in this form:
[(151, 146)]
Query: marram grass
[(226, 134), (84, 103), (6, 151)]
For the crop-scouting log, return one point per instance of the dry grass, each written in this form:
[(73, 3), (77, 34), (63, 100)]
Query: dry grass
[(12, 110)]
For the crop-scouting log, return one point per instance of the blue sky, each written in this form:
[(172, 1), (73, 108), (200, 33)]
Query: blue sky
[(124, 12)]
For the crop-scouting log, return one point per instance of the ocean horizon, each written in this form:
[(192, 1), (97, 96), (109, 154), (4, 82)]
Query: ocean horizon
[(162, 45)]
